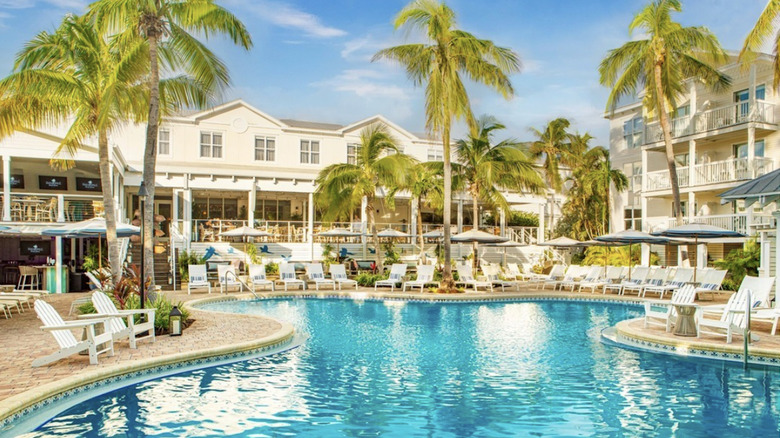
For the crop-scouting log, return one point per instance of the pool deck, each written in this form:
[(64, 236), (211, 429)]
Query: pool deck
[(215, 334)]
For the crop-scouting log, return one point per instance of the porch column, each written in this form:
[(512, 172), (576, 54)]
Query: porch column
[(187, 213), (644, 170), (540, 231), (776, 214), (175, 209), (691, 205), (252, 204), (58, 265), (691, 163), (363, 218), (6, 187), (645, 256), (692, 93), (310, 233), (413, 220), (643, 207), (60, 208), (502, 222), (765, 255), (751, 147), (460, 216), (752, 93)]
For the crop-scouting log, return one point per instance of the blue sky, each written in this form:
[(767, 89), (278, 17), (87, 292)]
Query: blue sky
[(311, 59)]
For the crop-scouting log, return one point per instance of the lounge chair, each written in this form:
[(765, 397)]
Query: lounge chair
[(493, 275), (592, 274), (573, 273), (121, 323), (668, 317), (257, 278), (732, 317), (397, 273), (288, 278), (711, 282), (424, 277), (4, 308), (69, 345), (555, 280), (612, 276), (197, 278), (227, 278), (681, 277), (314, 273), (643, 278), (339, 274), (466, 278), (556, 273)]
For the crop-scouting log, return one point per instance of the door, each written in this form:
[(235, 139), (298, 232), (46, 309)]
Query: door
[(163, 210)]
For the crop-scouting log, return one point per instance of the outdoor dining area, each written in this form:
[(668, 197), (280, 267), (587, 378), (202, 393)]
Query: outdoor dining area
[(45, 208)]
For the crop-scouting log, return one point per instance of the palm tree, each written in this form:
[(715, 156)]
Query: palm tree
[(378, 164), (600, 177), (425, 184), (439, 63), (661, 62), (552, 145), (167, 26), (78, 76), (486, 169), (765, 26)]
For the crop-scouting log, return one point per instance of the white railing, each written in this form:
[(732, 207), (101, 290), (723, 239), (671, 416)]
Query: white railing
[(523, 235), (714, 119), (659, 179), (37, 207), (734, 169), (736, 222)]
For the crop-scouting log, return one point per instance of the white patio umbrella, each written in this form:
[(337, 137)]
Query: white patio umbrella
[(696, 232), (505, 245), (435, 234), (393, 234), (245, 232), (339, 232), (561, 242), (95, 227), (476, 236)]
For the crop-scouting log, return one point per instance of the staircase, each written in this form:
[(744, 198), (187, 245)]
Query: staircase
[(162, 265)]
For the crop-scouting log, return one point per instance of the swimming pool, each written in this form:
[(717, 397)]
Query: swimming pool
[(430, 369)]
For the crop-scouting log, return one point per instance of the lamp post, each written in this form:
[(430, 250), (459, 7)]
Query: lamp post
[(141, 199)]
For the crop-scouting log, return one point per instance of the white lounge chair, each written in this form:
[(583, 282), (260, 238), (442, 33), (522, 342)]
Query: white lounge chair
[(121, 323), (466, 278), (493, 275), (732, 317), (197, 278), (711, 282), (257, 278), (4, 308), (424, 277), (397, 273), (288, 278), (556, 273), (227, 278), (592, 274), (681, 277), (555, 280), (612, 276), (315, 273), (668, 317), (69, 345), (339, 274), (643, 278)]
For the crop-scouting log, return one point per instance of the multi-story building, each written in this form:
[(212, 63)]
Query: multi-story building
[(720, 140)]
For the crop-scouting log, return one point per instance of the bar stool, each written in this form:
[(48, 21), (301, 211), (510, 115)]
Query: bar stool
[(28, 277)]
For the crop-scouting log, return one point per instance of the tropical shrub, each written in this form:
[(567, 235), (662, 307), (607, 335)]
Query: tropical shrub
[(368, 279), (162, 306), (251, 254), (391, 255), (271, 268), (739, 263), (185, 260)]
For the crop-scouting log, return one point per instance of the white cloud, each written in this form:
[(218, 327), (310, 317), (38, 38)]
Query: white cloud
[(364, 83), (287, 16)]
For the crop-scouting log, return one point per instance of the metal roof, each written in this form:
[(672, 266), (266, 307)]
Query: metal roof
[(762, 187)]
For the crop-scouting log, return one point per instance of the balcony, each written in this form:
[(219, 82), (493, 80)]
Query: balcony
[(712, 120), (740, 223), (716, 172), (27, 208)]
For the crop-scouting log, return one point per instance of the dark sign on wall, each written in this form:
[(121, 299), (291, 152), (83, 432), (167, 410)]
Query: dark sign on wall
[(17, 182), (88, 184), (35, 248), (52, 182)]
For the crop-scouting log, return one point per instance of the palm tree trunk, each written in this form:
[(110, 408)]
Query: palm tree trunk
[(475, 224), (447, 283), (372, 226), (420, 230), (108, 207), (150, 158)]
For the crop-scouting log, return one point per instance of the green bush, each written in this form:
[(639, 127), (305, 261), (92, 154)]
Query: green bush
[(515, 219), (185, 260), (251, 254), (162, 306), (739, 263), (368, 279), (271, 268)]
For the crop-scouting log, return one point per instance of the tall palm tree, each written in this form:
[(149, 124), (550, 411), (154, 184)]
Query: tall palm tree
[(600, 178), (765, 26), (439, 63), (661, 62), (167, 27), (486, 168), (552, 145), (76, 75), (378, 164)]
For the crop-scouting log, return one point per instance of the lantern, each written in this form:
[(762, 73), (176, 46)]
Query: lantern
[(174, 321)]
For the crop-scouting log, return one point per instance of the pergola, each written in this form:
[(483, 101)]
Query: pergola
[(764, 190)]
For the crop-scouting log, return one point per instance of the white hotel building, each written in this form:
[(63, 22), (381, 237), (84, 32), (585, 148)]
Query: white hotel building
[(720, 140), (217, 169)]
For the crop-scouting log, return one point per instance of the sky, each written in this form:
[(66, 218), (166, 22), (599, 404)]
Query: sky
[(311, 60)]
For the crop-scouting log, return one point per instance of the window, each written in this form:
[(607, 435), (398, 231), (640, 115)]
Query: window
[(352, 153), (741, 150), (684, 208), (435, 155), (310, 152), (744, 95), (265, 149), (633, 218), (210, 145), (681, 160), (163, 142), (632, 132), (635, 182), (682, 111)]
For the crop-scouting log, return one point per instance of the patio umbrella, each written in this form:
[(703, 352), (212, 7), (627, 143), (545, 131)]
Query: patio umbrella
[(696, 232), (393, 234), (561, 242), (476, 236), (435, 234), (339, 232), (95, 227), (505, 245), (245, 232), (630, 237)]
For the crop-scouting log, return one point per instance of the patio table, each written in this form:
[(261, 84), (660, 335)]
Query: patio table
[(686, 323)]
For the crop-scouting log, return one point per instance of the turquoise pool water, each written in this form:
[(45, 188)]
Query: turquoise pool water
[(400, 369)]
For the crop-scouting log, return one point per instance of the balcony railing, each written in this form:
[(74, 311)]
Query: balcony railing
[(736, 222), (34, 207), (714, 119), (716, 172)]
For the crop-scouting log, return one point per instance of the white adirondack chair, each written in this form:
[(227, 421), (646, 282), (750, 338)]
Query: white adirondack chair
[(257, 278), (227, 277), (424, 277), (315, 273), (288, 278), (339, 274), (121, 323), (197, 278), (397, 272), (668, 317), (732, 318), (69, 345)]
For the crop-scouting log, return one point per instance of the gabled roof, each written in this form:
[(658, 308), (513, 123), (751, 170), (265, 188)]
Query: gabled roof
[(198, 115), (311, 125), (378, 119), (762, 188)]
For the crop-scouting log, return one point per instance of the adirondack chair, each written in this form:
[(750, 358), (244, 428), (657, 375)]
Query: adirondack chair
[(397, 272), (197, 278), (732, 318), (227, 278), (466, 278), (339, 274), (69, 345), (121, 323), (424, 277), (668, 317), (314, 273), (257, 278)]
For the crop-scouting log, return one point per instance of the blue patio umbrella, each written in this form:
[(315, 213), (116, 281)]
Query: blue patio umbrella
[(698, 231), (630, 237), (95, 227)]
